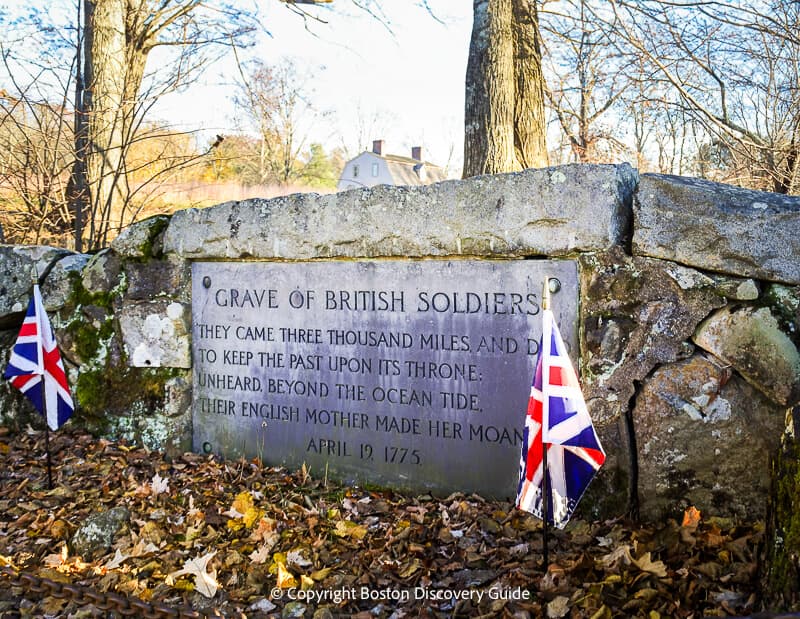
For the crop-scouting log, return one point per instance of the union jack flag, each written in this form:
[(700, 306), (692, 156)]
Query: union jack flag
[(35, 366), (558, 418)]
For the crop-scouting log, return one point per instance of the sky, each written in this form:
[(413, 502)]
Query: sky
[(406, 86)]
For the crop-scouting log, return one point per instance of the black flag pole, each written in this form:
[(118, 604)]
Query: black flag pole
[(47, 449), (545, 486)]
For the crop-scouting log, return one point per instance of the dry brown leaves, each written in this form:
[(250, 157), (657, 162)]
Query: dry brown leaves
[(262, 542)]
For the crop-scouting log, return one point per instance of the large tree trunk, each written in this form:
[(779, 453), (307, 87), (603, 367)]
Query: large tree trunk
[(104, 103), (530, 125), (504, 124)]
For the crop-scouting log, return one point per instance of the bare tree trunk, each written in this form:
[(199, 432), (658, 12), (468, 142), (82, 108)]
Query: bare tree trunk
[(78, 187), (504, 127), (530, 125), (104, 100)]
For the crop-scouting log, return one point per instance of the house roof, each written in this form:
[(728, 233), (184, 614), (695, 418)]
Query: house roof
[(403, 170)]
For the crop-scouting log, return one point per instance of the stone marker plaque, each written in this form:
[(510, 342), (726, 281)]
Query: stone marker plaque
[(410, 374)]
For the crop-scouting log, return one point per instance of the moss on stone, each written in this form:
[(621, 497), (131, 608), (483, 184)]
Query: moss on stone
[(781, 576), (784, 303), (109, 394)]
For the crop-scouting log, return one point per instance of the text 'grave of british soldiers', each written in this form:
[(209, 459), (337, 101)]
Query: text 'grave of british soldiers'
[(412, 374)]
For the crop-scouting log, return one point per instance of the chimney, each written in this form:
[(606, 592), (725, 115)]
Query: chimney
[(377, 147), (416, 153)]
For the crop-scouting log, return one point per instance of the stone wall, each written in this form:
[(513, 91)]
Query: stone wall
[(689, 310)]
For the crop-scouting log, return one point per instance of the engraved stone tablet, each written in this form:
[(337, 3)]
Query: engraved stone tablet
[(409, 374)]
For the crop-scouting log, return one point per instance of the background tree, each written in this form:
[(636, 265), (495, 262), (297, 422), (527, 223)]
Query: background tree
[(35, 159), (733, 69), (585, 80), (504, 123), (100, 52), (116, 92), (278, 104)]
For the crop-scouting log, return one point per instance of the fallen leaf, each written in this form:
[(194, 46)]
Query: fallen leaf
[(205, 582), (261, 554), (285, 578), (558, 607), (346, 528), (158, 485), (691, 518), (295, 557), (118, 560), (645, 564)]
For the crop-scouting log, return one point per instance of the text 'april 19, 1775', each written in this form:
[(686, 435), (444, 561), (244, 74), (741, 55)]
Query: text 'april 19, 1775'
[(410, 374)]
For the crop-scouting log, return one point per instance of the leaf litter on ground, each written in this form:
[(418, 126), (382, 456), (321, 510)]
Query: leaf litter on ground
[(225, 535)]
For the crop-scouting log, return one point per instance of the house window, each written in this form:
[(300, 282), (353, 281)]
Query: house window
[(355, 171), (374, 169)]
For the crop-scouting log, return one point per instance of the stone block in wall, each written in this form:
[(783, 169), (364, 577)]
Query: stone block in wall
[(59, 287), (784, 302), (636, 314), (546, 212), (177, 415), (17, 264), (156, 333), (704, 438), (751, 341), (736, 289), (718, 227), (102, 274), (143, 239), (158, 278)]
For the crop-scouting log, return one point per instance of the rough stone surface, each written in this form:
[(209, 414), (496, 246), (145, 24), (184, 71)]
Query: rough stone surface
[(552, 211), (736, 289), (704, 438), (15, 409), (718, 227), (177, 415), (142, 239), (97, 533), (784, 302), (102, 274), (156, 333), (59, 285), (636, 313), (158, 278), (17, 265), (752, 342)]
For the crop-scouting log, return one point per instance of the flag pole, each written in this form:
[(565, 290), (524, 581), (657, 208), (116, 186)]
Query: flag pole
[(545, 486), (35, 278), (47, 449)]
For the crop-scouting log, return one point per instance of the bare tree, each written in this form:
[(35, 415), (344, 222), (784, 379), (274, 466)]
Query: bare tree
[(586, 80), (118, 37), (504, 124), (102, 51), (35, 157), (734, 71), (277, 101)]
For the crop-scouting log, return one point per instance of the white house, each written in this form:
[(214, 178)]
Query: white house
[(374, 168)]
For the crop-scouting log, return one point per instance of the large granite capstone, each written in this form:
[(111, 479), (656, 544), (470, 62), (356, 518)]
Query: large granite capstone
[(718, 227), (573, 208)]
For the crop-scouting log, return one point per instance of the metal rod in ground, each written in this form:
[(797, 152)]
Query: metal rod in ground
[(49, 460), (545, 421), (545, 509)]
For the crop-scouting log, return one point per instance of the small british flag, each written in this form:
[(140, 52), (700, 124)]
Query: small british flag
[(35, 366), (557, 418)]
